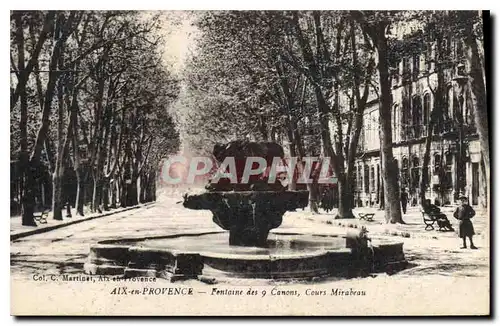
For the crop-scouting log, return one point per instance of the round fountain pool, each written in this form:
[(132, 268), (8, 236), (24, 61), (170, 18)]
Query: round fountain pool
[(208, 254), (217, 243)]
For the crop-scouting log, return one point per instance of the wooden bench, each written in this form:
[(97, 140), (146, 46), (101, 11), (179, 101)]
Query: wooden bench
[(41, 217), (366, 216), (429, 221)]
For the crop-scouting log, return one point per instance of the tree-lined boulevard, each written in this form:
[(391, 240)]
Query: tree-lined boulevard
[(89, 93), (394, 102)]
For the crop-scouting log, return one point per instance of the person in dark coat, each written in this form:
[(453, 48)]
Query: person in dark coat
[(404, 199), (327, 199), (464, 213), (433, 210)]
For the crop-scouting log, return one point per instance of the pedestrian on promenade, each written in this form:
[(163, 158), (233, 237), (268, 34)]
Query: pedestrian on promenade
[(464, 213), (327, 199), (404, 199)]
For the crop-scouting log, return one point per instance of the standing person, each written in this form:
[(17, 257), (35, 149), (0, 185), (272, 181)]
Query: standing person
[(464, 213), (327, 199), (404, 199)]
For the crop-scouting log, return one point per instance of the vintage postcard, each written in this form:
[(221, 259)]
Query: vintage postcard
[(230, 163)]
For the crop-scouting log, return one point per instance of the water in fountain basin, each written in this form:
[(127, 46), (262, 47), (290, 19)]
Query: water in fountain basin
[(277, 244), (208, 254)]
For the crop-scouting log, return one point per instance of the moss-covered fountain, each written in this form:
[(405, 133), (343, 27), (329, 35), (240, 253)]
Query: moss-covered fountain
[(254, 247), (247, 210)]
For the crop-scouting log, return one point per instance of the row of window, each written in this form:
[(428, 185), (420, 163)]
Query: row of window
[(452, 51), (409, 175), (410, 120), (368, 174)]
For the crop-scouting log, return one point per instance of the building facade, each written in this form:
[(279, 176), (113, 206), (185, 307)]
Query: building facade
[(455, 157)]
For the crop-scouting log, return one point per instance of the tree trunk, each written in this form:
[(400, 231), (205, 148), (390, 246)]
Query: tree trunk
[(345, 197), (89, 187), (323, 108), (105, 194), (382, 197), (124, 188), (313, 189), (80, 182), (57, 52), (119, 190), (140, 188), (67, 201), (292, 185), (424, 182), (153, 187), (297, 151), (478, 95), (345, 175), (28, 198), (485, 183), (132, 192), (96, 194), (143, 187), (26, 173), (336, 161), (345, 183), (79, 192), (57, 204), (113, 194), (391, 188)]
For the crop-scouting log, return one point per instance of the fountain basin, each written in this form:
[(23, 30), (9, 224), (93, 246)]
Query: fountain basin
[(190, 256), (248, 215)]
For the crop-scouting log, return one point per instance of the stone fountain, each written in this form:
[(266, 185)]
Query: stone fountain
[(247, 210), (255, 246)]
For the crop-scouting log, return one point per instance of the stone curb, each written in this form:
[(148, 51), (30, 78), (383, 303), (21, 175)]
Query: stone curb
[(39, 230), (353, 223), (388, 232), (399, 233)]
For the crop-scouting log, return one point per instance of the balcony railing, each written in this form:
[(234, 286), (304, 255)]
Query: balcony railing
[(414, 132), (468, 127), (418, 131)]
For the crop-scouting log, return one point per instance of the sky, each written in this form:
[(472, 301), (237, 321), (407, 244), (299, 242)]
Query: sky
[(180, 38)]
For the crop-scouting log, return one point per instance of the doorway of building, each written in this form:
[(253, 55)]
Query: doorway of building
[(475, 183)]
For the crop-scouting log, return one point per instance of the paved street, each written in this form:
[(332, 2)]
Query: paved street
[(438, 268), (64, 250)]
